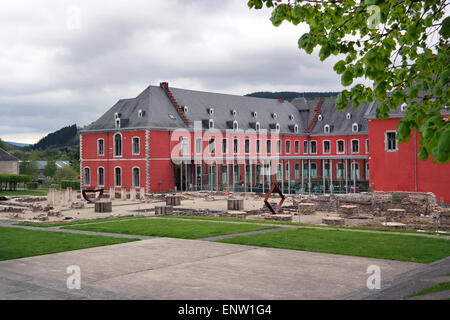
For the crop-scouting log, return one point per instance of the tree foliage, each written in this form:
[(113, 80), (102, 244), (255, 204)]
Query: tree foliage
[(400, 45)]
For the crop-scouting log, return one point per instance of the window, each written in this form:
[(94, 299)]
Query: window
[(117, 145), (258, 127), (101, 177), (224, 146), (367, 171), (340, 171), (355, 127), (288, 146), (87, 176), (211, 111), (141, 113), (274, 115), (313, 170), (118, 177), (258, 146), (355, 146), (305, 147), (327, 170), (212, 145), (233, 112), (198, 145), (354, 169), (297, 147), (288, 171), (236, 173), (367, 145), (391, 141), (247, 145), (269, 146), (326, 146), (295, 128), (279, 171), (403, 107), (136, 177), (235, 125), (185, 109), (258, 173), (101, 147), (254, 114), (224, 172), (291, 117), (278, 146), (313, 147), (326, 128), (211, 123), (117, 123), (236, 145), (277, 127), (136, 145), (348, 116), (319, 117), (297, 171), (340, 146), (184, 146), (305, 170)]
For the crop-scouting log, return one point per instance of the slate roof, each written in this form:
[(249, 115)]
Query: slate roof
[(161, 113), (5, 156), (336, 119)]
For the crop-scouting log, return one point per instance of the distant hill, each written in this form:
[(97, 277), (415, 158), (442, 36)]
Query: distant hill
[(64, 137), (17, 144), (290, 95)]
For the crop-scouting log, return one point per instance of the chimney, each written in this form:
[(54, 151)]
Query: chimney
[(164, 84), (281, 100)]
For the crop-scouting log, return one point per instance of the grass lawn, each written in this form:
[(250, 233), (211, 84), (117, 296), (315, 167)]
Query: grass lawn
[(383, 246), (59, 224), (36, 192), (444, 286), (170, 228), (20, 243)]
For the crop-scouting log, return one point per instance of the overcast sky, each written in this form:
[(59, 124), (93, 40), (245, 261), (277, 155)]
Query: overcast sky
[(65, 62)]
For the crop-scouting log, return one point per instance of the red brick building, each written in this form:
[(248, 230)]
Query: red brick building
[(175, 139)]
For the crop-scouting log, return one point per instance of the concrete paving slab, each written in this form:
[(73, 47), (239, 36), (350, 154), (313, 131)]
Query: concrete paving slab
[(166, 268)]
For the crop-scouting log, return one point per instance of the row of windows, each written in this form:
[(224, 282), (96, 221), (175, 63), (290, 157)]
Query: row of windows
[(135, 146), (310, 148), (257, 126), (117, 177), (265, 170)]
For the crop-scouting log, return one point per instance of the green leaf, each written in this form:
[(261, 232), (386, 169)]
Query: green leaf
[(339, 67), (445, 28), (347, 78)]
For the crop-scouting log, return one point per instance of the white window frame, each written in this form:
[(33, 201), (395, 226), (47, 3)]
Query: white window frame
[(132, 146), (367, 145), (258, 146), (295, 128), (98, 177), (235, 125), (258, 127), (98, 147), (305, 143), (326, 128), (297, 149), (286, 142), (84, 176), (323, 146), (197, 140), (277, 127), (121, 145), (353, 127), (213, 144), (249, 146), (310, 148), (132, 177), (211, 124), (226, 145), (337, 146), (184, 143), (269, 150), (386, 142), (351, 146), (278, 146), (236, 150), (115, 177)]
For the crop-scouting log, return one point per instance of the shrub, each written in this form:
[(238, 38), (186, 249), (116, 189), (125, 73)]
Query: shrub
[(12, 180), (74, 184), (31, 185)]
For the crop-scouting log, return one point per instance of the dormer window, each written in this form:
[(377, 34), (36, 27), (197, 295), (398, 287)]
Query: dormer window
[(319, 117), (235, 125), (117, 123), (185, 109), (211, 123), (355, 127), (295, 128), (141, 113), (210, 111), (116, 115), (348, 116), (326, 128), (254, 114), (274, 115), (233, 113), (277, 127), (291, 117), (257, 127), (403, 107)]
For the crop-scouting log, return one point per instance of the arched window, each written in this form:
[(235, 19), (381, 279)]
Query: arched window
[(295, 128), (211, 123), (136, 177), (258, 127), (235, 125), (118, 177), (117, 145), (326, 128), (355, 127), (319, 117), (277, 127), (348, 116), (87, 176), (185, 109), (101, 177)]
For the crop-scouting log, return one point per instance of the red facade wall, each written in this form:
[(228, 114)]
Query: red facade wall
[(401, 170)]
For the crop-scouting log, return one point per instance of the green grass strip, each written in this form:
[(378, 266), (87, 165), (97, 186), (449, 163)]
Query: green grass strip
[(373, 245), (444, 286), (170, 228), (59, 224), (19, 243)]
